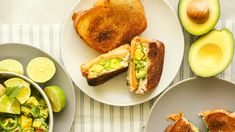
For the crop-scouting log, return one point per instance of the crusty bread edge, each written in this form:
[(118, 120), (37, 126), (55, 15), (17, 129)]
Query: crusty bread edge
[(156, 64)]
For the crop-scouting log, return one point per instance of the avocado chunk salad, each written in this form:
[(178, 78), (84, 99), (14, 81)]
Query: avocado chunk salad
[(28, 116), (141, 62), (106, 66)]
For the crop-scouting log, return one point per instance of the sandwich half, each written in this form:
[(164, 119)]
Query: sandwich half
[(145, 68), (106, 66), (219, 120), (180, 124)]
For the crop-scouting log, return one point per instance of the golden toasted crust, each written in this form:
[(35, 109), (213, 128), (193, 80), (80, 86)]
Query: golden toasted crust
[(156, 58), (134, 11), (219, 120), (180, 125), (108, 25)]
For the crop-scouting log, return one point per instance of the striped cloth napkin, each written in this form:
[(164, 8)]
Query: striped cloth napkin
[(93, 116)]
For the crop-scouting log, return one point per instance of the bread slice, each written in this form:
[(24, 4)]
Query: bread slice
[(108, 25), (106, 66), (133, 10), (145, 68), (219, 120), (180, 124)]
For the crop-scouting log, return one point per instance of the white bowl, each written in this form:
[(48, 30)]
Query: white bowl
[(38, 88)]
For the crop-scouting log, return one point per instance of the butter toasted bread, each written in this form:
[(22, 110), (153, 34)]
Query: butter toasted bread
[(145, 68), (108, 25), (133, 9), (106, 66), (180, 124), (219, 120)]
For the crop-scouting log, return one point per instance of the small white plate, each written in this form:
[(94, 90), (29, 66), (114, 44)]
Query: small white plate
[(163, 25), (24, 53), (191, 96)]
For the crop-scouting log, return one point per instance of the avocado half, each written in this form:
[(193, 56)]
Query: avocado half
[(211, 53), (199, 28)]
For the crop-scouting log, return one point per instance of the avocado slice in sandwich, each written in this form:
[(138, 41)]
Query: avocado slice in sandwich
[(106, 66), (181, 124), (198, 16), (219, 120), (145, 68)]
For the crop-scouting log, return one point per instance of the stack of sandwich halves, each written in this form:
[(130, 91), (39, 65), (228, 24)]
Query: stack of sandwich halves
[(143, 59)]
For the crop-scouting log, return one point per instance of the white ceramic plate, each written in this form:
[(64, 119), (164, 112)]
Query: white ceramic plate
[(191, 96), (24, 53), (163, 25)]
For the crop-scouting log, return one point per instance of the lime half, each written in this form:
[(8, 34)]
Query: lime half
[(18, 88), (41, 69), (57, 97), (9, 106), (11, 65)]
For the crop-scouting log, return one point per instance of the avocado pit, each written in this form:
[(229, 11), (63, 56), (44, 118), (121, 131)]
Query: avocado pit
[(198, 11)]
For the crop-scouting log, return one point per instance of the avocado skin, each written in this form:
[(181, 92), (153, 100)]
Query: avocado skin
[(105, 77), (201, 39), (194, 31)]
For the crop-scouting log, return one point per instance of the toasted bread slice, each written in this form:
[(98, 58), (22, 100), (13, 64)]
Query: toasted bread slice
[(106, 66), (219, 120), (145, 68), (133, 9), (108, 25), (180, 124)]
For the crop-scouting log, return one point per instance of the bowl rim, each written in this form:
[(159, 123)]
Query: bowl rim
[(11, 74)]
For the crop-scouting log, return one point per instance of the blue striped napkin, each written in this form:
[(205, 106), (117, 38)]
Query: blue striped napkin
[(93, 116)]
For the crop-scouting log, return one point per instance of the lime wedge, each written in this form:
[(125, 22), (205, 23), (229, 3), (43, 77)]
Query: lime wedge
[(21, 89), (9, 106), (2, 90), (57, 97), (41, 69), (11, 65)]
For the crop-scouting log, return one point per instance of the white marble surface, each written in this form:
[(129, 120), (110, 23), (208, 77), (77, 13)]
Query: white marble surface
[(54, 11)]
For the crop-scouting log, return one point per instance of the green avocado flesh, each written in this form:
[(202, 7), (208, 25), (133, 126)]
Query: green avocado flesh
[(105, 66), (212, 53), (141, 61), (196, 28)]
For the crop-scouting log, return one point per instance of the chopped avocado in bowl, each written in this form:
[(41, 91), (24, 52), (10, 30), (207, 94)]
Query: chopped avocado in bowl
[(212, 53), (33, 114)]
